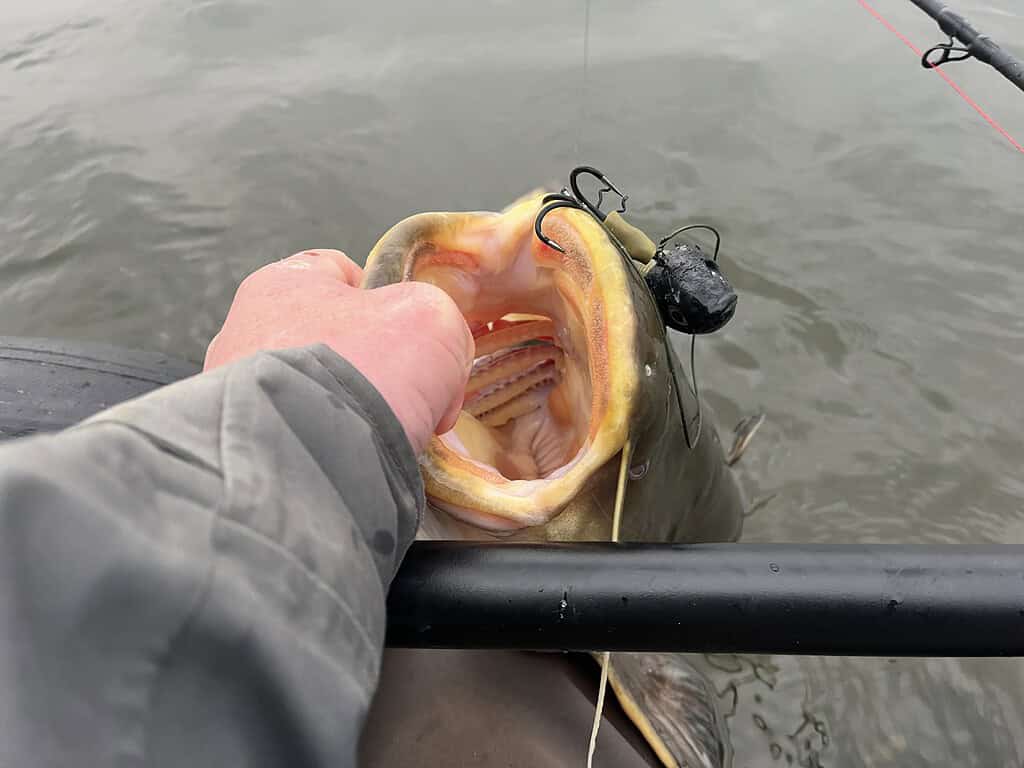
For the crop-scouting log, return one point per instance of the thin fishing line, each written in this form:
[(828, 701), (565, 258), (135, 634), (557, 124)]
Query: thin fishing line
[(696, 394), (606, 657), (586, 76), (679, 390), (941, 73), (694, 388), (620, 494), (606, 661)]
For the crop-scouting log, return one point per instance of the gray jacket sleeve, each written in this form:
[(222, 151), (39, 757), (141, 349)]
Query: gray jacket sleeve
[(197, 577)]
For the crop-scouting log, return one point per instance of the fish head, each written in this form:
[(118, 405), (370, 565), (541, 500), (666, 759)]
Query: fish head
[(572, 366), (562, 376)]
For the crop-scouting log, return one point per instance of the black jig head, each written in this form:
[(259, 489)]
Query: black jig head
[(691, 292)]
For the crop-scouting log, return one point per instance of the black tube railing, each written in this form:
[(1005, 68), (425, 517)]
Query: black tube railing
[(868, 600)]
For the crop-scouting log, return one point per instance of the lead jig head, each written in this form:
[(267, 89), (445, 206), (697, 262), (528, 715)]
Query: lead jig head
[(692, 294)]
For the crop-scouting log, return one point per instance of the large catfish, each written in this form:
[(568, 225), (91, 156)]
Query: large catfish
[(573, 387)]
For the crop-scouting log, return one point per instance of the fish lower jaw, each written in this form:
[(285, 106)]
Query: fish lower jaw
[(496, 525), (525, 425)]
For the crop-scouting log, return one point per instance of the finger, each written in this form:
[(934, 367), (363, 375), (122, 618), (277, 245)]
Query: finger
[(425, 332), (451, 333), (450, 416), (325, 260), (211, 352)]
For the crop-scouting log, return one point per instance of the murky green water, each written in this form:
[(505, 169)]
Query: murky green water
[(153, 153)]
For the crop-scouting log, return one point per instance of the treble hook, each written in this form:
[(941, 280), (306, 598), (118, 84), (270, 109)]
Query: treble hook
[(553, 201), (947, 49), (576, 199), (609, 187)]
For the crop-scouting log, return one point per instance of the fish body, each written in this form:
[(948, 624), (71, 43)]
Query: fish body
[(573, 368)]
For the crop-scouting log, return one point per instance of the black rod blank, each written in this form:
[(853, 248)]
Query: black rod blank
[(868, 600), (982, 47)]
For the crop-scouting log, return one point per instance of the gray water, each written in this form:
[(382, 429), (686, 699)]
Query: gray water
[(154, 153)]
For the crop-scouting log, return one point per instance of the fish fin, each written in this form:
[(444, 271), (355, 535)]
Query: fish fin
[(674, 706), (743, 433)]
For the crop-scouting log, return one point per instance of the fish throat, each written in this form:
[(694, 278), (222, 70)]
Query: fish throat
[(530, 397), (527, 402)]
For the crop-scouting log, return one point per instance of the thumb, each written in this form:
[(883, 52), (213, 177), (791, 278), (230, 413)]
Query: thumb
[(420, 357)]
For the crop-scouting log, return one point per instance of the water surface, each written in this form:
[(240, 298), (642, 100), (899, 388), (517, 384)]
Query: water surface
[(153, 153)]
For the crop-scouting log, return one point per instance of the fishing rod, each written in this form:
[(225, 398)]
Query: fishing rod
[(974, 44), (797, 599)]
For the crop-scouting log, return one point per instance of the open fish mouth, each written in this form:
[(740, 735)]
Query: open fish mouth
[(551, 392)]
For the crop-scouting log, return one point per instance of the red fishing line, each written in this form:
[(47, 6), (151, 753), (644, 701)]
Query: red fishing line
[(938, 70)]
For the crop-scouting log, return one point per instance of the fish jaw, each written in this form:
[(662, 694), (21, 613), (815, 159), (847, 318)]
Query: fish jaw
[(552, 394)]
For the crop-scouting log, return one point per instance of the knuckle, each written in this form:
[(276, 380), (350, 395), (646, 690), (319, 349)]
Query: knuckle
[(252, 282)]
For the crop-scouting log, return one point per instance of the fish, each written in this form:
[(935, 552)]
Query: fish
[(575, 399)]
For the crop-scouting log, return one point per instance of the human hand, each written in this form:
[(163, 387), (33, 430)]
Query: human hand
[(408, 339)]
